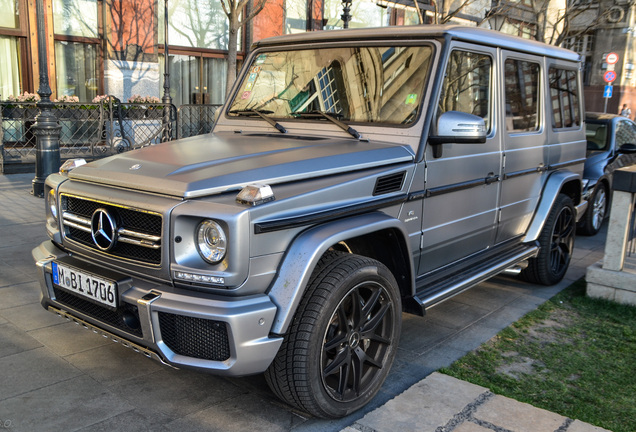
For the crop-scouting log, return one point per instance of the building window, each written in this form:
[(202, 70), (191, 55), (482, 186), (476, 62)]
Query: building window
[(10, 49), (76, 29), (196, 24), (364, 13), (519, 28), (75, 18), (467, 86), (295, 16), (10, 18), (10, 67), (197, 37), (584, 45), (522, 95), (76, 73), (565, 98), (195, 79)]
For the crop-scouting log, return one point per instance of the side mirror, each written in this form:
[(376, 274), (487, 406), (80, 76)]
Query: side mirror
[(457, 127), (628, 148)]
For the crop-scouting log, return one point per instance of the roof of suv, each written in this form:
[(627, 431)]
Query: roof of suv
[(404, 33)]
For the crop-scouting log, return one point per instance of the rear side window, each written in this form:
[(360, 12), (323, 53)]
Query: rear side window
[(565, 98), (522, 96), (467, 86)]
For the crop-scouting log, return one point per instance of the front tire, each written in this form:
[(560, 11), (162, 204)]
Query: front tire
[(343, 339), (596, 212), (556, 244)]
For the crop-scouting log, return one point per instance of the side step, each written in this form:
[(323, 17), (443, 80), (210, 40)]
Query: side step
[(432, 290)]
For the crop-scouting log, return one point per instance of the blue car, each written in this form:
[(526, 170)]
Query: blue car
[(611, 144)]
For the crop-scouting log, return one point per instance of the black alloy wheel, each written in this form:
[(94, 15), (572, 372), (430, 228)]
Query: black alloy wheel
[(343, 339), (596, 212), (556, 243)]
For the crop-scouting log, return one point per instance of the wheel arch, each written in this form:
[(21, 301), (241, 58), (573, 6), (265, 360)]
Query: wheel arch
[(374, 235), (559, 182)]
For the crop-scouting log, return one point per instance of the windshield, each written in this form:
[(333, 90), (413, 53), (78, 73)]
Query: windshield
[(352, 84)]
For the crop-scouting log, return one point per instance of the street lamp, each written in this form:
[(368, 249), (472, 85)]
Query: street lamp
[(46, 128), (346, 13), (166, 134)]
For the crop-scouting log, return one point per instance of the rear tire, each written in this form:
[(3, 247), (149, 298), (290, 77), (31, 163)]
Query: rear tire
[(556, 245), (343, 338)]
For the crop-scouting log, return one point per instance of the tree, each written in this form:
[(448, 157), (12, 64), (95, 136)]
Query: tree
[(547, 21), (234, 9)]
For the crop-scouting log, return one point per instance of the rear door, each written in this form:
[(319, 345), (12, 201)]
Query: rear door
[(524, 142)]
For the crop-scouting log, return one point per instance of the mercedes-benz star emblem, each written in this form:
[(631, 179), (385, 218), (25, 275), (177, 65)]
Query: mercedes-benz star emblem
[(103, 229)]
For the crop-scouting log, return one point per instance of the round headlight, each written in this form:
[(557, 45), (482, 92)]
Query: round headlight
[(51, 203), (211, 241)]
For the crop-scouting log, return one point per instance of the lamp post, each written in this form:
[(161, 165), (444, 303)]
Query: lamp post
[(166, 134), (46, 128), (346, 13)]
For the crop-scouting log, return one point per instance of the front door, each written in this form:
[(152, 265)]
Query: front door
[(462, 185)]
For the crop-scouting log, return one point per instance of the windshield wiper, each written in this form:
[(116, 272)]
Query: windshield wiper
[(261, 114), (330, 116)]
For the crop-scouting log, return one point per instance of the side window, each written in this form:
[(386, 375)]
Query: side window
[(625, 134), (467, 86), (565, 98), (522, 96)]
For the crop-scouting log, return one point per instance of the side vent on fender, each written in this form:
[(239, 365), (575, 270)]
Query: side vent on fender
[(389, 183)]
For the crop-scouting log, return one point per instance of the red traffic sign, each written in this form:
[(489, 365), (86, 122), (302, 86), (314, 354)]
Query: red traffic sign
[(609, 76), (611, 58)]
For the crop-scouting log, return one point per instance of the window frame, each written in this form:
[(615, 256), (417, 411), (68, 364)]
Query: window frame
[(539, 95), (576, 111), (21, 33), (491, 118), (96, 41)]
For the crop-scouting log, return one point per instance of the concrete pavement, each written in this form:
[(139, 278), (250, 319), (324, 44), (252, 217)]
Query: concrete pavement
[(55, 375)]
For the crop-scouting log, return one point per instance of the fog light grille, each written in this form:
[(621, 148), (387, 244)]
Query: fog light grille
[(195, 337)]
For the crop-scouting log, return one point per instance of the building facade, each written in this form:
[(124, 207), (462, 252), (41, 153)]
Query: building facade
[(116, 47)]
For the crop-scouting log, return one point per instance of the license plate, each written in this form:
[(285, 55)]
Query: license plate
[(85, 284)]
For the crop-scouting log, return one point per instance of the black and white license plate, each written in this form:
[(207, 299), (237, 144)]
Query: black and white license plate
[(85, 284)]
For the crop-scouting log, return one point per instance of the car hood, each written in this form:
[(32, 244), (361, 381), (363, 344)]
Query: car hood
[(216, 163)]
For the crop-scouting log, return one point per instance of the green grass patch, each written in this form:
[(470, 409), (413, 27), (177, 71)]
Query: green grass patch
[(574, 355)]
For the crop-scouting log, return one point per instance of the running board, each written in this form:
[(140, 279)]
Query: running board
[(442, 289)]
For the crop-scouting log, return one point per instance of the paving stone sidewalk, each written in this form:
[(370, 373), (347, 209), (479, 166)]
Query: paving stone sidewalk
[(441, 403)]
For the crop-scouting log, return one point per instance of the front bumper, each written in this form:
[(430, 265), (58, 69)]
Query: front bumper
[(227, 336)]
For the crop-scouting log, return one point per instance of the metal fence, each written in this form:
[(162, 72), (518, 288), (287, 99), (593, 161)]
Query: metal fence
[(631, 245), (98, 130)]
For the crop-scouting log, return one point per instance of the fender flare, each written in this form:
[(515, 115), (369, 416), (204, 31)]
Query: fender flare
[(296, 267), (553, 186)]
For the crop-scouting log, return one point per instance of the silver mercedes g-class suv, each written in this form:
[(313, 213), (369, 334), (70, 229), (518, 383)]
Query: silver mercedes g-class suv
[(351, 176)]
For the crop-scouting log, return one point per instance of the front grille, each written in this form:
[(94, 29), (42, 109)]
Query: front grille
[(114, 318), (138, 231), (195, 337)]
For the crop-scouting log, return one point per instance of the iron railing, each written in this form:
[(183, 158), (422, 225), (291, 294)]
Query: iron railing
[(97, 130), (631, 233)]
